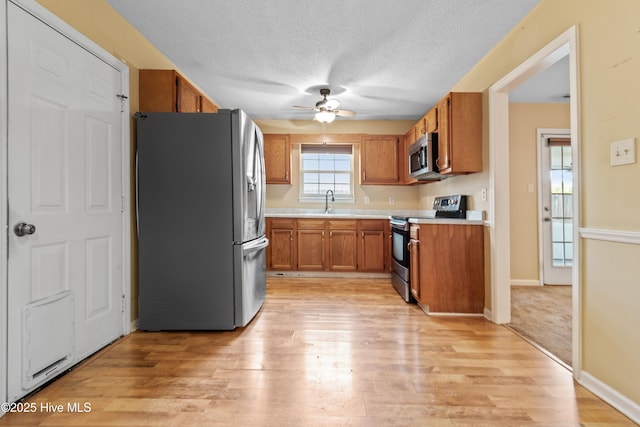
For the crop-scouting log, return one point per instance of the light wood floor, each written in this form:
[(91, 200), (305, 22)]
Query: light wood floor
[(325, 352)]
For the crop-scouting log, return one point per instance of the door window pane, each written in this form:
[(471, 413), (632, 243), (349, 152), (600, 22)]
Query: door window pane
[(561, 205)]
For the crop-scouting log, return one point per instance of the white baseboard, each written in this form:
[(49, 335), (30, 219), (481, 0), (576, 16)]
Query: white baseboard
[(524, 282), (622, 403), (488, 315)]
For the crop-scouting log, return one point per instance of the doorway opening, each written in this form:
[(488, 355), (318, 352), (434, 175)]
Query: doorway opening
[(563, 46)]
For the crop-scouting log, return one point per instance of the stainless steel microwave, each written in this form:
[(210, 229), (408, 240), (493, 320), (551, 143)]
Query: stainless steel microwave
[(422, 157)]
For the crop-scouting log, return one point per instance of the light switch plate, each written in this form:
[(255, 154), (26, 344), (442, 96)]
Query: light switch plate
[(623, 152)]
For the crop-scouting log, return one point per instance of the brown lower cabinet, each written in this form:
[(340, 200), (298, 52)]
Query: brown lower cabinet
[(374, 245), (311, 245), (447, 267), (343, 245), (282, 248), (300, 244)]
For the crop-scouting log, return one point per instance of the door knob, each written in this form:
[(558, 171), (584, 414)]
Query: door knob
[(547, 219), (22, 229)]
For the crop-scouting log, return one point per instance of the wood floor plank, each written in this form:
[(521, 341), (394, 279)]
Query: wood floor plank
[(324, 352)]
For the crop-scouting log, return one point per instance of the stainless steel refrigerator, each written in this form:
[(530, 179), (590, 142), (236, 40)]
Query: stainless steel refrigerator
[(201, 228)]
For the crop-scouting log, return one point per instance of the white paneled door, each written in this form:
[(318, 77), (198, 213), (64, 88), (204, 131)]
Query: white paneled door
[(65, 203)]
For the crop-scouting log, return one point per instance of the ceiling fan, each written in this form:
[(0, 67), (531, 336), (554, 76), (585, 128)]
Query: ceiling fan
[(326, 109)]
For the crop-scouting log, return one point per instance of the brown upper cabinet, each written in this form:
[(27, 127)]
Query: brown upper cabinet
[(277, 158), (169, 91), (459, 118), (379, 160), (405, 178), (431, 120)]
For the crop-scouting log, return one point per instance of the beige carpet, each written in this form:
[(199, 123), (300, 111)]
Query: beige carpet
[(543, 315)]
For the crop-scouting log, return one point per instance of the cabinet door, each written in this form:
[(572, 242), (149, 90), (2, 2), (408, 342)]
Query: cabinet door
[(282, 249), (189, 99), (379, 160), (208, 106), (419, 129), (277, 159), (404, 158), (343, 249), (444, 142), (460, 133), (168, 91), (414, 267), (453, 255), (431, 120), (310, 249), (157, 91), (310, 244), (372, 249)]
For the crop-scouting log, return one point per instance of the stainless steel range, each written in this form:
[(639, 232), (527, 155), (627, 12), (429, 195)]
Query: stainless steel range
[(452, 207), (400, 256)]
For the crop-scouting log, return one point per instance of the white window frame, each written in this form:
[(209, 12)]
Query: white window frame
[(321, 197)]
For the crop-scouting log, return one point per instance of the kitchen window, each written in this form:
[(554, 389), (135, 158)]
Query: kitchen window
[(326, 167)]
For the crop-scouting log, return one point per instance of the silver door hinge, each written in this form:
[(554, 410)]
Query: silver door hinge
[(123, 98), (121, 204), (123, 302)]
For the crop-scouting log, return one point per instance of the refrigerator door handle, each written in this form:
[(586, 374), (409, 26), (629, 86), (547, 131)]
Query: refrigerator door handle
[(255, 245), (259, 176), (137, 197)]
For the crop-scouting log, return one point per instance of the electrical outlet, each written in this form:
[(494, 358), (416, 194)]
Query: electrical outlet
[(483, 194), (392, 200), (623, 152), (366, 200), (530, 188)]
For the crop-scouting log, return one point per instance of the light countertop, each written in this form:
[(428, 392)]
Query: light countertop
[(415, 216), (340, 213), (445, 221)]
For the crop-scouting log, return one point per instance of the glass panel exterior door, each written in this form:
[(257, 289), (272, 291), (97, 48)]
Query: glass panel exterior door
[(556, 198)]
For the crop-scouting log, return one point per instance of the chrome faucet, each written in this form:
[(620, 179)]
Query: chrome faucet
[(328, 209)]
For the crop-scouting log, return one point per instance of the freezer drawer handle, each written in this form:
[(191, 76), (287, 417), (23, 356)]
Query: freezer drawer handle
[(256, 245)]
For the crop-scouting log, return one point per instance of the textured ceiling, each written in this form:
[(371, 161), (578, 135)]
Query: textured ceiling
[(383, 59)]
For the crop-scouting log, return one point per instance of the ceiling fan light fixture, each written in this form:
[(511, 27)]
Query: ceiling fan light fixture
[(325, 116)]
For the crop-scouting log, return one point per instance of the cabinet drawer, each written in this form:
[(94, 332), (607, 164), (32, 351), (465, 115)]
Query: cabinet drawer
[(372, 224), (311, 224), (342, 224), (282, 222)]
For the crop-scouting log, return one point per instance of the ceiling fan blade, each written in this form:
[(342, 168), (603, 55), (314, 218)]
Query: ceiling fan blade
[(305, 108), (344, 113)]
